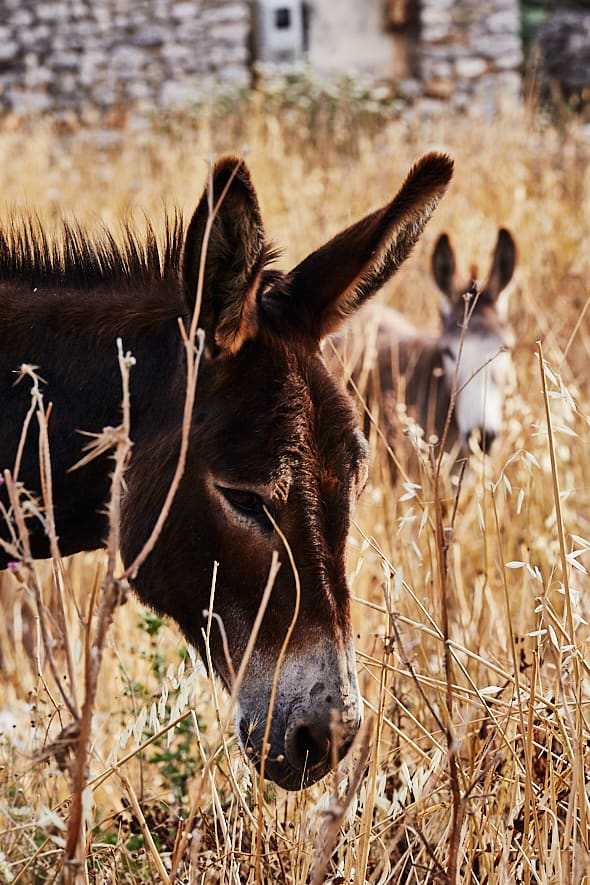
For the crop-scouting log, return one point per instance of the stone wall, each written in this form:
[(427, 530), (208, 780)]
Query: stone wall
[(470, 50), (78, 54), (561, 57), (103, 53)]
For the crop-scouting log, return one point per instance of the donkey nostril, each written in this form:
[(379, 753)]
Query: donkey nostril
[(486, 440), (309, 746)]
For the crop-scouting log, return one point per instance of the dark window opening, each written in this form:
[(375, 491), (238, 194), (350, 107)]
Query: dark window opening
[(283, 18)]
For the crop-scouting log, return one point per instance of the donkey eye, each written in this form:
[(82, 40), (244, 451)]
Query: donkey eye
[(247, 503)]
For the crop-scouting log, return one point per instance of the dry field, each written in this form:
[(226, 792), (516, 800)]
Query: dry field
[(471, 601)]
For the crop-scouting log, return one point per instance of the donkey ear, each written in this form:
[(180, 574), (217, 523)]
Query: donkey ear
[(333, 282), (503, 264), (444, 266), (225, 252), (443, 271)]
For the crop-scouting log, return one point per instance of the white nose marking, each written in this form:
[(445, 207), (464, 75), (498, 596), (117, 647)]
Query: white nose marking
[(481, 378)]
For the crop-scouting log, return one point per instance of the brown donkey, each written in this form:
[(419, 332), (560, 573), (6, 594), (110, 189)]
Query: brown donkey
[(275, 462), (469, 361)]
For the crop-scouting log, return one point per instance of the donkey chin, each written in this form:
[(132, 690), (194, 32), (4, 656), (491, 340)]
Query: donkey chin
[(316, 714)]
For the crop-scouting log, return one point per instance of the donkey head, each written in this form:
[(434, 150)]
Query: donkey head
[(276, 463), (476, 339)]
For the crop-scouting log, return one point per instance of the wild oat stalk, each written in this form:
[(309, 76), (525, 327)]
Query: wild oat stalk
[(20, 547), (273, 692), (579, 797)]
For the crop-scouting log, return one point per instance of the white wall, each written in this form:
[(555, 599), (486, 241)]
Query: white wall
[(348, 35)]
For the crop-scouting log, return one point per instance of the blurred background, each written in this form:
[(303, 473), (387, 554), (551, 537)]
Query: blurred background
[(168, 54)]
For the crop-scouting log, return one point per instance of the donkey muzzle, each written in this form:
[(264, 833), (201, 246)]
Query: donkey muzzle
[(316, 716)]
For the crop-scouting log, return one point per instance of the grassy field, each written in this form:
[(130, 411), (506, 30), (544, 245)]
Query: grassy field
[(473, 654)]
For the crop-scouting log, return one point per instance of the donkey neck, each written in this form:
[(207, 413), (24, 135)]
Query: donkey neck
[(427, 393)]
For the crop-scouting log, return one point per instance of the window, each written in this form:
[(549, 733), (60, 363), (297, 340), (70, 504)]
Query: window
[(283, 18)]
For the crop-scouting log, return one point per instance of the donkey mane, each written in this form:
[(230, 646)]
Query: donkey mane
[(138, 275), (74, 258)]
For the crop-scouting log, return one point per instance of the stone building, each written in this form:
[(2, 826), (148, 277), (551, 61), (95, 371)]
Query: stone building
[(59, 54)]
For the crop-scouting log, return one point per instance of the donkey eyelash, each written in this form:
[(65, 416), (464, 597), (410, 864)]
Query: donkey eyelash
[(362, 478), (248, 504)]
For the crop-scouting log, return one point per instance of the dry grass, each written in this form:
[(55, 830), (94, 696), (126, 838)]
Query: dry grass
[(471, 605)]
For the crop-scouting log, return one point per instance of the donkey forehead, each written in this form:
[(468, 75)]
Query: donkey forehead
[(483, 325), (279, 411)]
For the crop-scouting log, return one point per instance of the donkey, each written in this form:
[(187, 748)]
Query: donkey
[(466, 367), (275, 462)]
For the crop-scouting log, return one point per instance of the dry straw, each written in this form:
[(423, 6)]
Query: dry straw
[(471, 594)]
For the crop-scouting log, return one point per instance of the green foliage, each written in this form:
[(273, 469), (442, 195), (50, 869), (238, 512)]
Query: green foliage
[(176, 759), (151, 623), (179, 762)]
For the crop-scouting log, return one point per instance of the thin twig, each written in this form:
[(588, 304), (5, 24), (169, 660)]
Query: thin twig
[(274, 686), (194, 344), (442, 538), (33, 583), (113, 590)]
